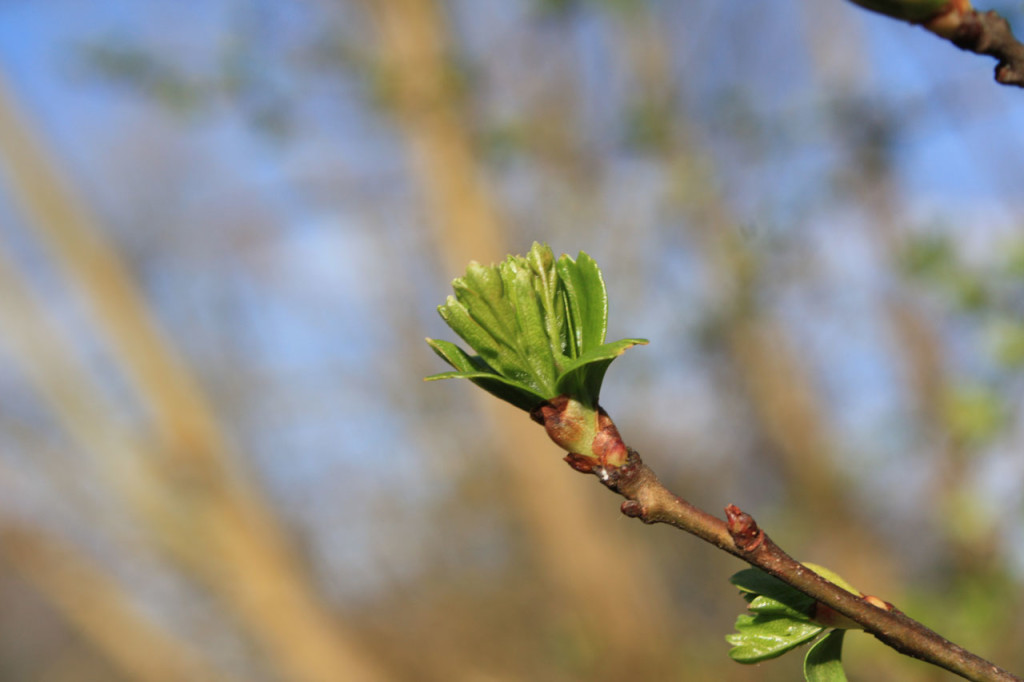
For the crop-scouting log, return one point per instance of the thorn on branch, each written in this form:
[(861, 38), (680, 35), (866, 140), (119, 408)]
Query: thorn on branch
[(743, 529)]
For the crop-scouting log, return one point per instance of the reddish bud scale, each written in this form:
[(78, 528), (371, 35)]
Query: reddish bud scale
[(608, 445), (561, 422), (591, 442), (584, 465), (632, 509), (743, 529)]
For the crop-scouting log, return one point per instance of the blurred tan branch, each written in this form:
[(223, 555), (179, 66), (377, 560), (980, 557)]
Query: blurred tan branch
[(420, 80), (94, 603), (187, 484), (779, 387)]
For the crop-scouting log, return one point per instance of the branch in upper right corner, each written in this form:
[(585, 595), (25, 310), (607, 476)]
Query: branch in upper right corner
[(985, 33)]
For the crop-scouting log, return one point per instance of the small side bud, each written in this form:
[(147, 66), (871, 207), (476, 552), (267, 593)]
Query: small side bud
[(632, 509), (584, 465), (878, 603), (608, 444), (743, 529)]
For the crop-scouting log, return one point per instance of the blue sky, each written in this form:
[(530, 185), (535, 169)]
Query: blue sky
[(264, 255)]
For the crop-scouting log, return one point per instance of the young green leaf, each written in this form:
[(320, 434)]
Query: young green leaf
[(586, 300), (756, 583), (477, 371), (942, 17), (781, 617), (479, 335), (583, 376), (766, 606), (759, 638), (532, 337), (823, 662)]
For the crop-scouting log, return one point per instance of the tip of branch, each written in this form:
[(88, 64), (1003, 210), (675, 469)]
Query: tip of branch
[(990, 34)]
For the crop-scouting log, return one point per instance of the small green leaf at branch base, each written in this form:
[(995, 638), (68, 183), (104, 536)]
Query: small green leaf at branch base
[(781, 618), (758, 586), (759, 638), (831, 576), (823, 662)]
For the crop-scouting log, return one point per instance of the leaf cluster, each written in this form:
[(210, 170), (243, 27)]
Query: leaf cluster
[(537, 325), (780, 619)]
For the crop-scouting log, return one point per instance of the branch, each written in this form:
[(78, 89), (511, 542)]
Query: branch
[(985, 33), (538, 325), (651, 502), (989, 33)]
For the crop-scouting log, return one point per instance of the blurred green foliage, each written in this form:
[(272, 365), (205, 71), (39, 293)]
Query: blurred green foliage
[(987, 299)]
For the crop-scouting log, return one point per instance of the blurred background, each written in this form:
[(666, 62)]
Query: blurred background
[(224, 231)]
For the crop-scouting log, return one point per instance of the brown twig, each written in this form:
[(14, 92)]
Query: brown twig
[(651, 502), (988, 33)]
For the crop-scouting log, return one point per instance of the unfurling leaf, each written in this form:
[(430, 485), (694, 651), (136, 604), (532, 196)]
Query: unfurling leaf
[(759, 638), (537, 325), (823, 662), (782, 618)]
